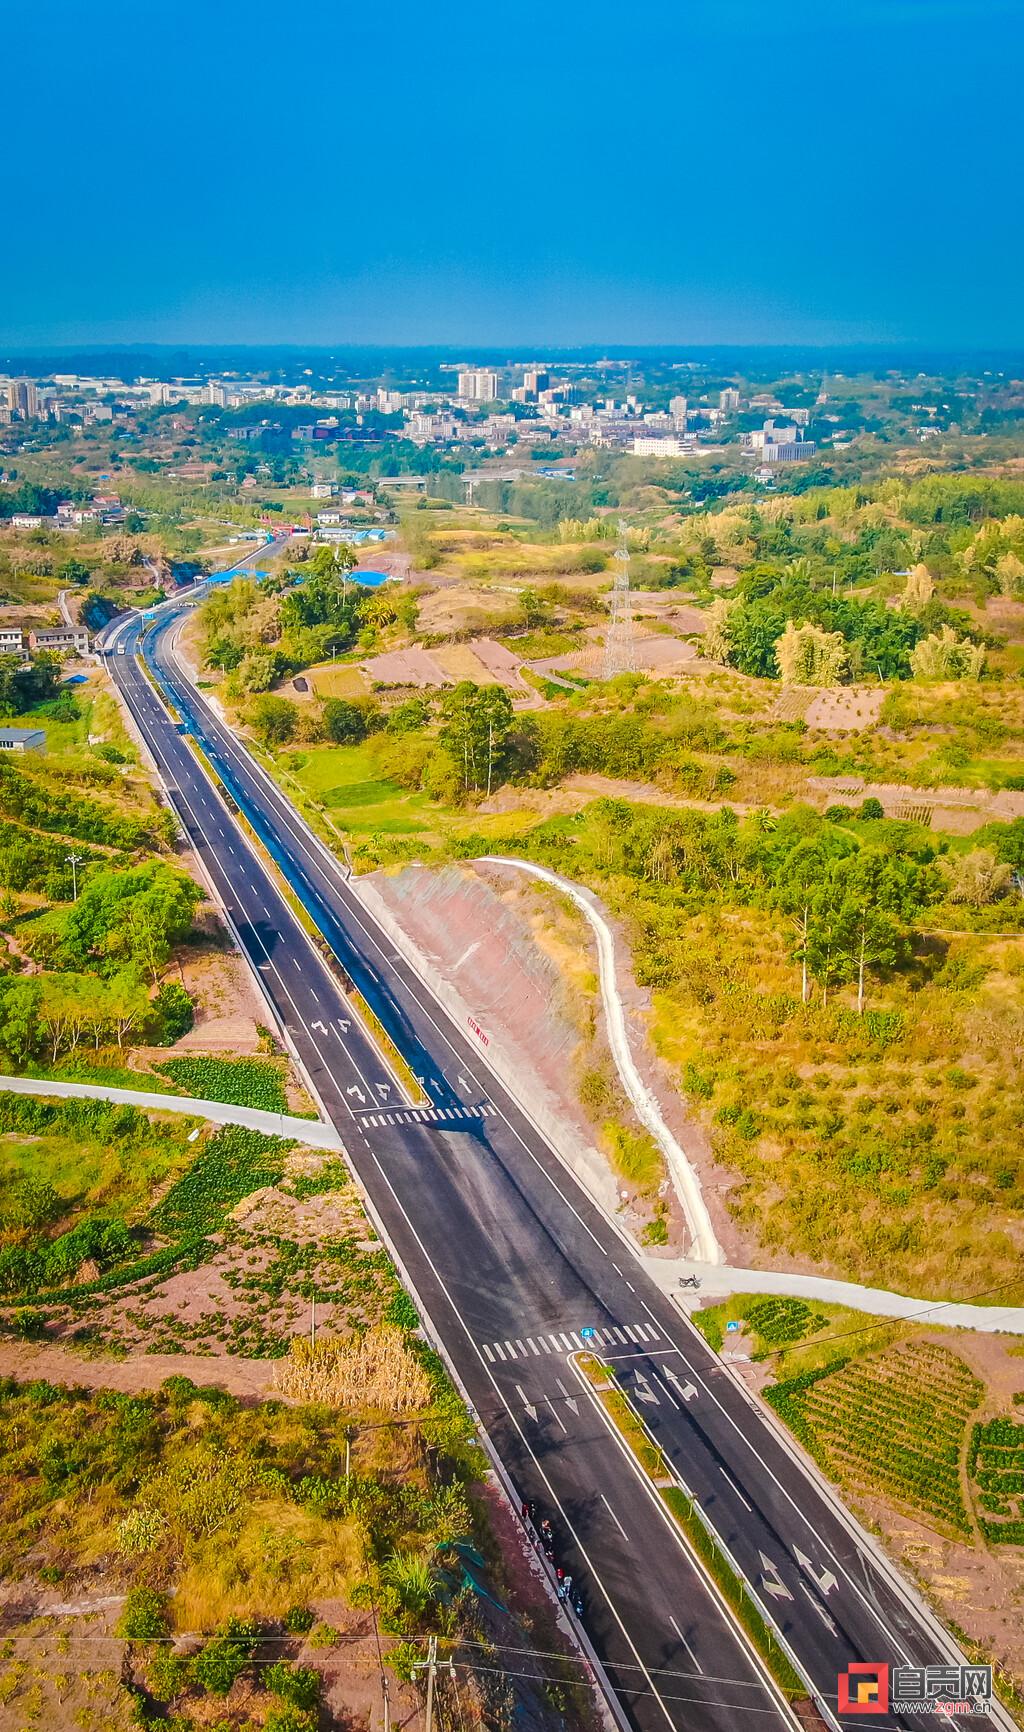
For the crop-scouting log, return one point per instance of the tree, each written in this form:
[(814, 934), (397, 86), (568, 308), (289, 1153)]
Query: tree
[(20, 1031), (808, 656), (869, 939), (273, 719), (944, 656), (476, 730), (978, 878), (344, 723), (717, 644)]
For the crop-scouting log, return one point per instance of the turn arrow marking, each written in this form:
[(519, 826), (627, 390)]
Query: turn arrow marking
[(824, 1580), (771, 1581), (686, 1390)]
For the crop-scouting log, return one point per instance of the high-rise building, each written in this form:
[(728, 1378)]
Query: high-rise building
[(23, 398), (216, 393), (729, 399), (677, 409), (478, 385), (535, 380)]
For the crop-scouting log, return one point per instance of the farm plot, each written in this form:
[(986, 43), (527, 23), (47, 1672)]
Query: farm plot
[(996, 1466), (893, 1425)]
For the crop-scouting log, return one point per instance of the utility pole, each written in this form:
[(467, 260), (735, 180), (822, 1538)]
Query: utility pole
[(432, 1665), (74, 861), (384, 1690)]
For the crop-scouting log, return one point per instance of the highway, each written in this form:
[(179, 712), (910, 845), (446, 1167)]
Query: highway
[(510, 1260)]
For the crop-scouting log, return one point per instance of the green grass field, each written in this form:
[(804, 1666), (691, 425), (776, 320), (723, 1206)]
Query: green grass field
[(92, 1171), (344, 780)]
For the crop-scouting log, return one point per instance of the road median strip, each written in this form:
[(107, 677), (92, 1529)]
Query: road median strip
[(692, 1524), (372, 1024)]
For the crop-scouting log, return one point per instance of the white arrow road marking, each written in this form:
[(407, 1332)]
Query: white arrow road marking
[(687, 1390), (384, 1089), (824, 1579), (344, 1027), (356, 1090), (819, 1608), (528, 1406), (771, 1581), (644, 1392), (463, 1084), (320, 1025), (570, 1401)]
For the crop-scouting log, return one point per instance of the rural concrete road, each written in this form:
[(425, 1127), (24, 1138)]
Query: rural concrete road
[(312, 1131), (705, 1247)]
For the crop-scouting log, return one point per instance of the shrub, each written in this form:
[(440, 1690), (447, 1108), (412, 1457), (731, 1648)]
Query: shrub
[(167, 1675), (299, 1686), (344, 723), (298, 1619), (223, 1659), (871, 808), (174, 1012), (144, 1617), (290, 1720)]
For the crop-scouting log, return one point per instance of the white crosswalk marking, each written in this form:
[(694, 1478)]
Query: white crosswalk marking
[(430, 1115), (489, 1354), (571, 1341)]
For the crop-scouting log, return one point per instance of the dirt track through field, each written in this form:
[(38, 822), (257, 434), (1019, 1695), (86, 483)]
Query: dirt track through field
[(25, 1361)]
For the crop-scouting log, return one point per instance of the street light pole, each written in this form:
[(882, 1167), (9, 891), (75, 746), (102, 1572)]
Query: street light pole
[(74, 861)]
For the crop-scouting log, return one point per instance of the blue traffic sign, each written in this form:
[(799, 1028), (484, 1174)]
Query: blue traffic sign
[(731, 1327), (588, 1333)]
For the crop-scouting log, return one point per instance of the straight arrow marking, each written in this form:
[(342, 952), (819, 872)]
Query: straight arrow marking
[(527, 1406)]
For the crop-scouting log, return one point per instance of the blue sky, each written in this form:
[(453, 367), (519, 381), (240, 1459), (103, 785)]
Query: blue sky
[(513, 171)]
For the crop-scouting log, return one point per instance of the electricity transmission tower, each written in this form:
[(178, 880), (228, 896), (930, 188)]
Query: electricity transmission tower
[(619, 643)]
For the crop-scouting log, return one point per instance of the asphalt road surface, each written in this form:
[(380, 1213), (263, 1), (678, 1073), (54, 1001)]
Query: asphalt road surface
[(510, 1261)]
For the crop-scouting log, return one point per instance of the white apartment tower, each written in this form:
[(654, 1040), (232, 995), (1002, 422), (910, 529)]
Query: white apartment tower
[(478, 385)]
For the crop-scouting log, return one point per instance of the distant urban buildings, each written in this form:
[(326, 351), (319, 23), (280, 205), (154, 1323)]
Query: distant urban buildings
[(663, 445), (478, 385), (775, 443), (729, 400), (23, 398)]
